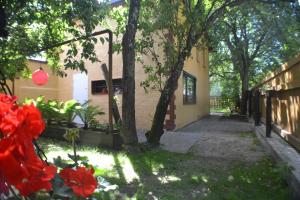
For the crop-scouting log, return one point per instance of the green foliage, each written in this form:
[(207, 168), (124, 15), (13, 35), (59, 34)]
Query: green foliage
[(35, 25), (260, 181), (202, 178), (252, 40), (230, 90), (168, 29), (54, 111), (68, 110), (88, 114)]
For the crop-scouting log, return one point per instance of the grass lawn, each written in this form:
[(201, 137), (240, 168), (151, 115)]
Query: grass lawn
[(159, 174), (220, 110)]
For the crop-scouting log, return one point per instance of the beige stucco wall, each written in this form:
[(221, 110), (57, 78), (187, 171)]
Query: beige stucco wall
[(25, 88), (62, 88), (196, 65), (145, 102)]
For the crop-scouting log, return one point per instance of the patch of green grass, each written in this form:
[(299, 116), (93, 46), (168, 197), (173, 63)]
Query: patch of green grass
[(255, 141), (220, 110), (247, 134), (260, 181), (158, 174)]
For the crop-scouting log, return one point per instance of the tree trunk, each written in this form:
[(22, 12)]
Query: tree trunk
[(154, 135), (128, 99), (245, 87)]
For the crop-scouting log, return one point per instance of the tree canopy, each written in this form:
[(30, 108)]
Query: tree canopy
[(35, 25), (171, 26), (252, 40)]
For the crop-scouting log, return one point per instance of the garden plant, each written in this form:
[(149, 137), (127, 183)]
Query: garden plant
[(20, 126)]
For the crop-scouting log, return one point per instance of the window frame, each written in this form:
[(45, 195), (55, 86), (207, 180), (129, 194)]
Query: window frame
[(99, 86), (186, 99)]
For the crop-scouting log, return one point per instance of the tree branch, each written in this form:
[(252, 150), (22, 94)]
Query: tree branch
[(221, 10), (259, 43)]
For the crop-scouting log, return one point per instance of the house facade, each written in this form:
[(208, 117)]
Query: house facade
[(189, 103)]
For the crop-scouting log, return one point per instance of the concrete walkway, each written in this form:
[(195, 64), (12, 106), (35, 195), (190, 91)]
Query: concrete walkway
[(215, 136)]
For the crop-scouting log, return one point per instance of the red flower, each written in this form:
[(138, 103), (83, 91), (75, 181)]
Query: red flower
[(10, 162), (33, 124), (22, 168), (19, 164), (6, 103), (11, 121), (39, 177), (7, 99), (81, 180), (25, 120)]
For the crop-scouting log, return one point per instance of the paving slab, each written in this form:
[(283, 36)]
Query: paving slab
[(231, 146), (179, 142), (214, 136), (218, 123)]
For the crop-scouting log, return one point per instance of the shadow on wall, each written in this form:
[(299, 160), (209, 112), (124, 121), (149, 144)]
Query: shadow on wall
[(286, 110)]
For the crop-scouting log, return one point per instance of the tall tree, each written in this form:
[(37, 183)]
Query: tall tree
[(35, 25), (176, 27), (254, 37), (184, 24), (128, 53)]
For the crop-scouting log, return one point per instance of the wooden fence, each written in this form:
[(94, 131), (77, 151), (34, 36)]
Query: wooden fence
[(276, 102), (217, 103)]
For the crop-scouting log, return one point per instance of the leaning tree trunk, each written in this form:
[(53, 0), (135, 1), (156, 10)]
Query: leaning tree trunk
[(157, 128), (154, 135), (128, 99)]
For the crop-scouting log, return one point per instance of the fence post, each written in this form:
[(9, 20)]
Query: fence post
[(269, 95), (257, 108), (250, 103)]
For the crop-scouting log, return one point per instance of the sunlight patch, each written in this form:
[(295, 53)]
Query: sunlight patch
[(96, 159), (128, 171), (168, 179)]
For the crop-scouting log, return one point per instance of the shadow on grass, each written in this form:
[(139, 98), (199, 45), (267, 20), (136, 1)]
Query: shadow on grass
[(159, 174), (170, 176)]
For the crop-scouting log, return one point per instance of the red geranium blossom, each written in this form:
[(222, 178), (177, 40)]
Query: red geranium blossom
[(25, 122), (22, 168), (39, 177), (81, 180), (19, 164)]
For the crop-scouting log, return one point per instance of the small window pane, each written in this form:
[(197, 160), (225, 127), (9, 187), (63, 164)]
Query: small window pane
[(99, 86), (189, 89)]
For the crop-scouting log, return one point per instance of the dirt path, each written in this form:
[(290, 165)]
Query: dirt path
[(226, 138), (215, 136)]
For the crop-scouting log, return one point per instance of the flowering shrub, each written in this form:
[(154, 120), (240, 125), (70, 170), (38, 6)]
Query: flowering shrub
[(80, 180), (20, 166)]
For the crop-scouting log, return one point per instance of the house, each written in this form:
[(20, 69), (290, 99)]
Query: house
[(190, 102)]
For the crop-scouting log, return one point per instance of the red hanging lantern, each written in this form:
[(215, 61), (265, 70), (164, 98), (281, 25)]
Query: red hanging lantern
[(40, 77)]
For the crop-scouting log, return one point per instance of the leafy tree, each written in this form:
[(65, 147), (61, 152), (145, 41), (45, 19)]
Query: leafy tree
[(255, 37), (36, 25), (182, 26), (176, 27)]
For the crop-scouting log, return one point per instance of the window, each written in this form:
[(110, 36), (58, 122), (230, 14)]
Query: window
[(189, 88), (99, 86)]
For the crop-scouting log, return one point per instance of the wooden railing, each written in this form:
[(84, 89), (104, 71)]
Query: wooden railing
[(276, 102)]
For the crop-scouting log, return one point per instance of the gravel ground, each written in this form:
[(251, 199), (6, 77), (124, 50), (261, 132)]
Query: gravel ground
[(215, 136)]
